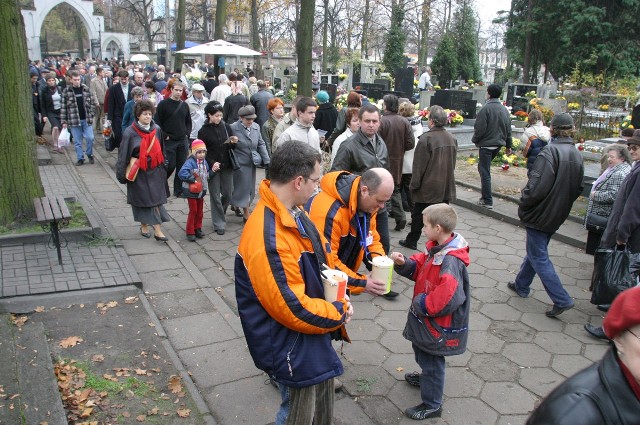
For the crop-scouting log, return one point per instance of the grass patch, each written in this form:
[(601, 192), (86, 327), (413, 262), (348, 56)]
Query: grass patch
[(29, 225), (100, 384), (364, 384), (94, 241)]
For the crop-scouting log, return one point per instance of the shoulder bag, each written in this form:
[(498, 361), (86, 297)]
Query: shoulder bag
[(232, 155), (596, 223), (134, 164)]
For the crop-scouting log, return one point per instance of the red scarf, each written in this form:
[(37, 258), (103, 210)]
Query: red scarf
[(156, 151)]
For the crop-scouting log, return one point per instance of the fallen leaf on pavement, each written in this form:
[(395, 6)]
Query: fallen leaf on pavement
[(39, 309), (183, 413), (131, 300), (153, 411), (141, 418), (19, 320), (98, 358), (141, 372), (175, 384), (71, 341)]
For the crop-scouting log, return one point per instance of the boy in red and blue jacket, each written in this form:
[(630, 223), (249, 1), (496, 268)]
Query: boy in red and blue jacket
[(438, 320)]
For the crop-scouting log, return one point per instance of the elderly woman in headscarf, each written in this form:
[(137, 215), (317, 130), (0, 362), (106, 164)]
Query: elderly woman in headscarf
[(608, 392)]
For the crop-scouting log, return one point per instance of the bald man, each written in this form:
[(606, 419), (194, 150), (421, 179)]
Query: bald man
[(345, 212)]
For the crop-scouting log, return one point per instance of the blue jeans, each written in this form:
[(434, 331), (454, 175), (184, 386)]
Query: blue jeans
[(537, 262), (484, 168), (78, 132), (431, 378)]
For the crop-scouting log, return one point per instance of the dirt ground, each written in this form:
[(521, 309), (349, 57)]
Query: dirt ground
[(112, 367), (506, 182)]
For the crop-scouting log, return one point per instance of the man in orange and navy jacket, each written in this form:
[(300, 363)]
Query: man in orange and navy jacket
[(345, 213), (285, 318)]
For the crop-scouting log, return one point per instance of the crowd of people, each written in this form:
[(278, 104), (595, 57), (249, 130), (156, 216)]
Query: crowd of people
[(335, 178)]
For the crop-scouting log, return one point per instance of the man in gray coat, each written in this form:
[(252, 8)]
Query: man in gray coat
[(491, 132), (259, 101)]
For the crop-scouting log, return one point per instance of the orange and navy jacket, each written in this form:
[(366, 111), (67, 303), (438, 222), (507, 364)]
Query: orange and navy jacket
[(334, 210), (280, 296)]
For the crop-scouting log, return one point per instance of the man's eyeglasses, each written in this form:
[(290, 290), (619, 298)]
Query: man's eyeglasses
[(315, 181), (632, 148)]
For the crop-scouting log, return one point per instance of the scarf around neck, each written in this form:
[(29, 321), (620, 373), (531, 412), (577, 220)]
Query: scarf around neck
[(156, 151)]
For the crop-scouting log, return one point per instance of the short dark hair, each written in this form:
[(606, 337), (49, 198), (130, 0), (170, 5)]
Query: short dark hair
[(494, 91), (292, 159), (149, 85), (371, 179), (74, 73), (211, 74), (348, 116), (99, 70), (305, 103), (367, 107), (391, 102), (212, 107), (123, 73), (142, 106)]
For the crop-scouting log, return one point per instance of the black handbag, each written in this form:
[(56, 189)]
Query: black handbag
[(233, 160), (110, 142), (596, 223), (611, 275)]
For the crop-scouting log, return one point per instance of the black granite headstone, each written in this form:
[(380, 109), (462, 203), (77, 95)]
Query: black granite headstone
[(385, 83), (459, 100), (404, 82), (330, 89), (374, 91)]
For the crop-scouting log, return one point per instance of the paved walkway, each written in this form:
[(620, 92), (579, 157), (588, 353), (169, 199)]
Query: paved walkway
[(515, 354)]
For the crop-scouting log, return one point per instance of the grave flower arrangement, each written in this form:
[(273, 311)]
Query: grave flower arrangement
[(604, 107), (521, 116), (424, 114), (454, 118), (531, 94), (573, 106), (341, 101)]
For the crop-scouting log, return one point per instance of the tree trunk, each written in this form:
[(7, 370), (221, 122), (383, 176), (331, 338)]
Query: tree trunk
[(205, 21), (19, 177), (304, 34), (180, 34), (365, 30), (325, 28), (79, 39), (526, 65), (218, 31), (423, 52), (255, 34)]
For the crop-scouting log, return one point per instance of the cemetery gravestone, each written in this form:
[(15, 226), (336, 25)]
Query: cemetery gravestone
[(459, 100)]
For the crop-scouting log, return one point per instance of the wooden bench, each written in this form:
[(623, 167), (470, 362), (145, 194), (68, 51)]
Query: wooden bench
[(51, 213)]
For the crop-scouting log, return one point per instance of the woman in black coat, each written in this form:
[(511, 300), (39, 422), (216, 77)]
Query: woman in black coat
[(217, 136), (50, 105), (148, 192)]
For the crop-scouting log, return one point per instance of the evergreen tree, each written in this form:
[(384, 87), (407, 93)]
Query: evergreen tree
[(396, 38), (19, 177), (445, 61), (466, 42)]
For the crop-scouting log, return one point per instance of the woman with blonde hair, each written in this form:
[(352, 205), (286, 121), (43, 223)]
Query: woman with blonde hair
[(535, 137), (237, 100)]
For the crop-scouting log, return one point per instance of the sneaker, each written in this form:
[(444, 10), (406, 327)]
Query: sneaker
[(91, 160), (557, 311), (422, 411), (482, 203), (80, 162), (412, 378)]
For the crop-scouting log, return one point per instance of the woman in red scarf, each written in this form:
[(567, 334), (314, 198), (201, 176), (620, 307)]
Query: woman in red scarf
[(148, 191)]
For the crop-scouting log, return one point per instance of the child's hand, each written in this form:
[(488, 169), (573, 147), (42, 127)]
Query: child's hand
[(397, 258)]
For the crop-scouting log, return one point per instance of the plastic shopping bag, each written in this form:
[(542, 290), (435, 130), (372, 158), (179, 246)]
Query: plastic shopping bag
[(611, 275), (64, 139)]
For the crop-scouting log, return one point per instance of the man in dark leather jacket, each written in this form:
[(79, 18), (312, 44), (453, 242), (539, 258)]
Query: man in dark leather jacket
[(607, 392), (554, 184)]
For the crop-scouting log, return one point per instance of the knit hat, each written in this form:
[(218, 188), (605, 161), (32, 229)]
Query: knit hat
[(198, 145), (322, 96), (623, 314), (562, 121)]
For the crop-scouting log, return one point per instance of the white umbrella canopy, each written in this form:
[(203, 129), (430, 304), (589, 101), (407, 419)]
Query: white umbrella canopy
[(139, 57), (219, 47)]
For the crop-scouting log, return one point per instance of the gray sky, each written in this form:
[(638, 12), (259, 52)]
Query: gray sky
[(487, 9)]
